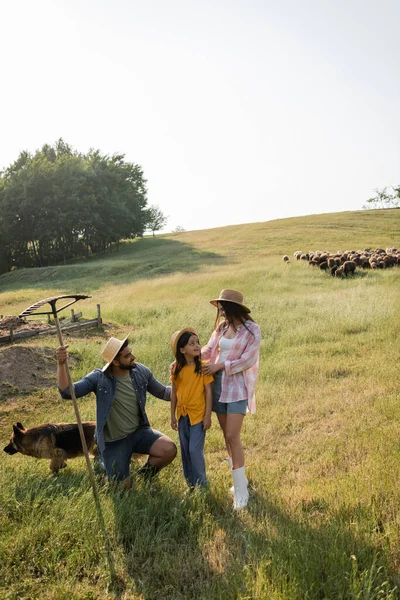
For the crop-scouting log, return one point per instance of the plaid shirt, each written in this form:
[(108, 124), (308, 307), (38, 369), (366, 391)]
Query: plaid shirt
[(241, 367)]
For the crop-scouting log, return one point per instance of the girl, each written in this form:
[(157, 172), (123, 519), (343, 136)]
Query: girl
[(233, 354), (191, 402)]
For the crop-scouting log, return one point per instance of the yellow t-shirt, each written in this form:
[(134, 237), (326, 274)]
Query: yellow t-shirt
[(190, 394)]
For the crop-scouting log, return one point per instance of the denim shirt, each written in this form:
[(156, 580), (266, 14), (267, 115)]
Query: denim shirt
[(104, 385)]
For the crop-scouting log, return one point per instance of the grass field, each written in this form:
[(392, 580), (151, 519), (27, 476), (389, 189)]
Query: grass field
[(323, 450)]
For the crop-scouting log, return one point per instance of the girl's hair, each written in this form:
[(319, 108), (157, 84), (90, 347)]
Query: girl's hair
[(233, 312), (180, 361)]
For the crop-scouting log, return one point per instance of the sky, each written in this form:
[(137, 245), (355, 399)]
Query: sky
[(238, 111)]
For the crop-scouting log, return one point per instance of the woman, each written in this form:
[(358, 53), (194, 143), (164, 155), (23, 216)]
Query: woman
[(233, 354)]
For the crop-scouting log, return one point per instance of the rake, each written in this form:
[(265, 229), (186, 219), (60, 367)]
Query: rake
[(54, 311)]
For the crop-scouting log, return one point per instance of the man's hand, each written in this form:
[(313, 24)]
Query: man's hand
[(206, 422), (172, 368), (62, 355), (174, 423)]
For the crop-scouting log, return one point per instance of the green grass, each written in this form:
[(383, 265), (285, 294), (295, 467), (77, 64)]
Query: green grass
[(323, 450)]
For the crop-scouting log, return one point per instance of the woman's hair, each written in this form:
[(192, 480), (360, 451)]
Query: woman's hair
[(233, 312), (180, 361)]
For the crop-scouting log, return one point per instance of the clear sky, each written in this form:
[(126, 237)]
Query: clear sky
[(238, 110)]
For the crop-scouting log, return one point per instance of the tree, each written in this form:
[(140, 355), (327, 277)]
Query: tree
[(178, 229), (59, 204), (156, 219), (383, 199)]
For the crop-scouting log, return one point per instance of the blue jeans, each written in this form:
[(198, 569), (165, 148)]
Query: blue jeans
[(117, 455), (191, 438), (225, 408)]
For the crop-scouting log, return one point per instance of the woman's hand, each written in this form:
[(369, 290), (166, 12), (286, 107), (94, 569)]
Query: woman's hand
[(211, 368)]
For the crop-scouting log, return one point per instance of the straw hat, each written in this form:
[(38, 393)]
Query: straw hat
[(230, 296), (175, 337), (111, 350)]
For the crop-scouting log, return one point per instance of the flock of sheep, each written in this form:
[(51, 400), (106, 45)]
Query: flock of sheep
[(343, 263)]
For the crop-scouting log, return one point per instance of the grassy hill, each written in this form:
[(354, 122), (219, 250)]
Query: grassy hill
[(323, 451)]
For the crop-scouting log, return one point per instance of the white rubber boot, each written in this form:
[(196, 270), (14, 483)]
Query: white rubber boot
[(241, 493), (232, 489), (230, 465)]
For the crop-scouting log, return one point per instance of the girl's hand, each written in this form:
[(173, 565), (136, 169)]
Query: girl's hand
[(174, 423), (206, 422), (211, 368)]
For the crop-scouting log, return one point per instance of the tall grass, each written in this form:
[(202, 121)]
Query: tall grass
[(323, 450)]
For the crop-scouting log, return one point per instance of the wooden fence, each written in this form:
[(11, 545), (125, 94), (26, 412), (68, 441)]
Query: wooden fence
[(74, 325)]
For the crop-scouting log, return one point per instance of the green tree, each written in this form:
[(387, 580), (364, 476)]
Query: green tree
[(384, 199), (156, 219), (59, 204)]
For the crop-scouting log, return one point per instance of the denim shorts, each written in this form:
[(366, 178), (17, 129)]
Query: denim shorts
[(117, 455), (225, 408)]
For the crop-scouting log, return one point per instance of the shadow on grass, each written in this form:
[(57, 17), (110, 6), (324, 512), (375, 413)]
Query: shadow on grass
[(196, 547), (185, 547), (142, 259)]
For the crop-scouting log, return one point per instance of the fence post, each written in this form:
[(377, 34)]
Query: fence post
[(72, 315), (11, 335), (98, 316)]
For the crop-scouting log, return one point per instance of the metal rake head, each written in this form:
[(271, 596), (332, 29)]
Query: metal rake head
[(52, 301)]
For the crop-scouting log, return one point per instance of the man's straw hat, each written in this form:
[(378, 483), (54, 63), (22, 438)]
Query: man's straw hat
[(175, 337), (111, 350), (230, 296)]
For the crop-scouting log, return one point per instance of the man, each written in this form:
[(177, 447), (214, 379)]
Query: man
[(122, 426)]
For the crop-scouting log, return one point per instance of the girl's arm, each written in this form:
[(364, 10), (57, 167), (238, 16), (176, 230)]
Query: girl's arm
[(248, 357), (174, 422), (207, 414)]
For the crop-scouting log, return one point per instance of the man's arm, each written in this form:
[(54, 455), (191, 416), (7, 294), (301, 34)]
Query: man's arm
[(156, 388), (83, 387), (62, 356)]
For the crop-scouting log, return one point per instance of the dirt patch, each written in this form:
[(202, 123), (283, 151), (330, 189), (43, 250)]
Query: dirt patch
[(24, 370), (18, 324)]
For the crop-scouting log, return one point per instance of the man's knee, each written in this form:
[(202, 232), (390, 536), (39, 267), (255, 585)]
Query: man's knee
[(164, 449), (170, 450)]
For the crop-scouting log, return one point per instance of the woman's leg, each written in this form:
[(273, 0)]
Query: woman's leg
[(222, 423), (232, 427)]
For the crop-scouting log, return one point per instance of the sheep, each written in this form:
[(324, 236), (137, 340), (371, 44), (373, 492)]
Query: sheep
[(389, 261), (285, 259), (339, 271), (333, 270), (349, 267), (323, 265)]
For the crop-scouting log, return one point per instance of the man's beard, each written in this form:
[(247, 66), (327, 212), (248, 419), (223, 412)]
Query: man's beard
[(127, 367)]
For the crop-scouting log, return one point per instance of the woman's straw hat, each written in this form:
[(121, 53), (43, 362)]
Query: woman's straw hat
[(230, 296), (175, 337), (111, 350)]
